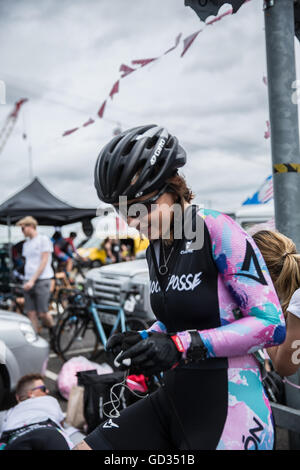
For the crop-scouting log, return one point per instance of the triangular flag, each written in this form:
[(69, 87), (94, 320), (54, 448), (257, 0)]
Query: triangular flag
[(101, 110), (87, 123), (18, 105), (187, 42), (114, 90), (70, 131), (143, 62), (268, 131), (176, 44), (126, 70)]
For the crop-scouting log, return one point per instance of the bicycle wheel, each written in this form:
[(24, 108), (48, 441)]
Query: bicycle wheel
[(136, 324), (62, 300), (75, 334)]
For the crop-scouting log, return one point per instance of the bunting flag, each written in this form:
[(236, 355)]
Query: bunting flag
[(70, 131), (101, 110), (143, 62), (18, 104), (263, 195), (88, 123), (177, 40), (126, 70), (114, 90), (268, 131), (187, 42), (10, 122)]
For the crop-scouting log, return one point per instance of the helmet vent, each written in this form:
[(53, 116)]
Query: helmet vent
[(151, 142), (127, 149), (169, 143)]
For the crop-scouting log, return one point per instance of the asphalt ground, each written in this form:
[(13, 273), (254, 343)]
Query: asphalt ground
[(84, 348)]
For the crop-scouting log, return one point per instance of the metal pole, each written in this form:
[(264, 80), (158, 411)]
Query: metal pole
[(279, 30)]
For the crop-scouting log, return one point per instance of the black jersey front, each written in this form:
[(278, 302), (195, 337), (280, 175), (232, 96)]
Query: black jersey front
[(187, 296)]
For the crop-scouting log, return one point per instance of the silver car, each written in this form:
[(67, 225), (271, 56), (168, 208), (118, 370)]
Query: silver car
[(22, 352)]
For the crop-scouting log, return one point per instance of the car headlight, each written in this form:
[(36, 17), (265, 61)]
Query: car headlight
[(28, 332)]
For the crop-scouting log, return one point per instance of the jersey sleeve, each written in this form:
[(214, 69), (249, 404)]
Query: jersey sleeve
[(242, 271), (158, 327), (46, 245)]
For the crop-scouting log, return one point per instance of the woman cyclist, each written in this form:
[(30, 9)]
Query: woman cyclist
[(283, 263), (215, 305)]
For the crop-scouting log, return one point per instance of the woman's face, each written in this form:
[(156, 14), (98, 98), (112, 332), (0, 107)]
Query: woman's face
[(154, 219)]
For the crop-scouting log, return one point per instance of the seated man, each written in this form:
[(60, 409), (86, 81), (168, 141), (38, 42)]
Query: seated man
[(35, 423)]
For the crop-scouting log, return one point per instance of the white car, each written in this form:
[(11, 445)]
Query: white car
[(22, 352)]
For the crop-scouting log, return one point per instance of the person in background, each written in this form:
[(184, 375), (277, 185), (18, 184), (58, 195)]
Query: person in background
[(116, 249), (283, 263), (71, 248), (108, 247), (18, 260), (61, 253), (70, 240), (38, 272), (36, 422)]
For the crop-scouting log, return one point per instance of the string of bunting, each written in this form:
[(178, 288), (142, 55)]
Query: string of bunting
[(10, 122), (126, 70)]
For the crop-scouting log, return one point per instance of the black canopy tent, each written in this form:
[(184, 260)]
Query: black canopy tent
[(37, 201)]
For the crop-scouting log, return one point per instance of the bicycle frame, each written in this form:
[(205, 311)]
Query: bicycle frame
[(95, 309)]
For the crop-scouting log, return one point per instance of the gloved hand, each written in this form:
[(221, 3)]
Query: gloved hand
[(122, 341), (155, 354)]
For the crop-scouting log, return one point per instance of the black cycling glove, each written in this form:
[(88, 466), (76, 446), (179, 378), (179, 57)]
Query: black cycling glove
[(155, 354), (122, 341)]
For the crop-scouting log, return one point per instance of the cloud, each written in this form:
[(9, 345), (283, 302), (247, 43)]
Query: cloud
[(65, 56)]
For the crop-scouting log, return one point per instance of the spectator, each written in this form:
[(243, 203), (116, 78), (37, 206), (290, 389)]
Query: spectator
[(18, 260), (71, 248), (36, 422), (108, 247), (70, 240), (61, 251), (283, 262), (37, 251)]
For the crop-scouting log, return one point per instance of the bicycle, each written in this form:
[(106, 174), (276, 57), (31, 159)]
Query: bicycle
[(13, 300), (86, 319)]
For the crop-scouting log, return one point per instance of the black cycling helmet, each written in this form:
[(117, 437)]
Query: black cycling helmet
[(137, 162)]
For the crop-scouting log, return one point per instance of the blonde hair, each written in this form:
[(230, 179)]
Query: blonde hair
[(283, 263)]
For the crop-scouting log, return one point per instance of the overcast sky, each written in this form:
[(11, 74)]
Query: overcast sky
[(64, 56)]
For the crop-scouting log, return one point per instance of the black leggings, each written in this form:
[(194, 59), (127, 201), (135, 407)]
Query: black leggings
[(200, 399), (42, 438)]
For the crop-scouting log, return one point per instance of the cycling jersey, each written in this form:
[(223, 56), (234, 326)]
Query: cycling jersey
[(225, 292), (222, 289)]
